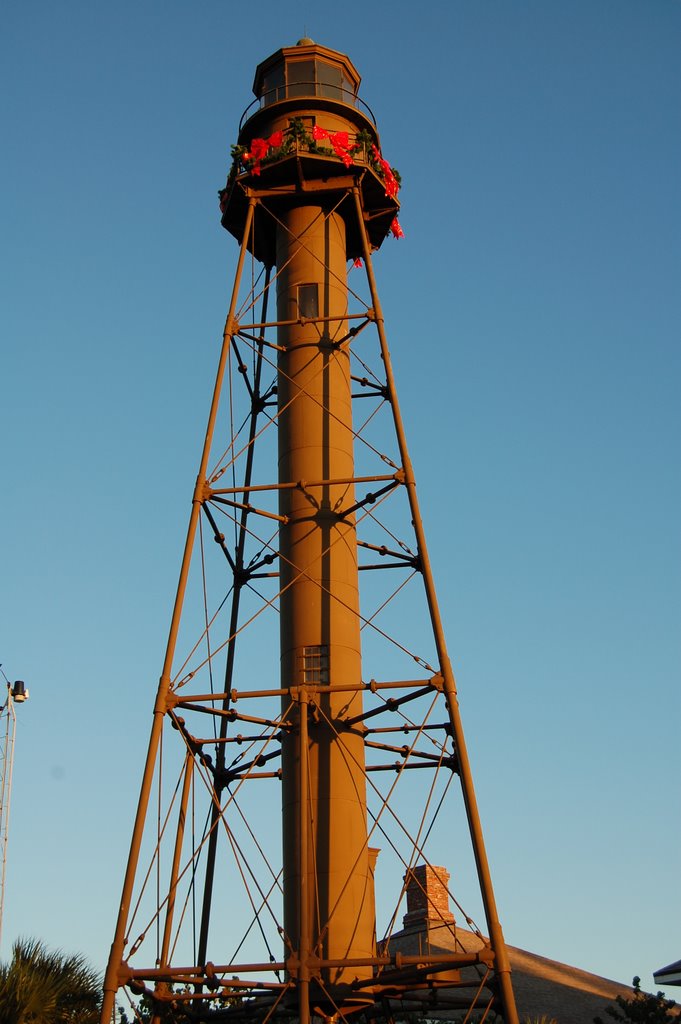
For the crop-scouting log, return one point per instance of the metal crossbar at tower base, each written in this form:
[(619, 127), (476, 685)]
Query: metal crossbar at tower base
[(306, 752)]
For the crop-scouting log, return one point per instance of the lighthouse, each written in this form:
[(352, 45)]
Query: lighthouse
[(332, 742), (308, 103)]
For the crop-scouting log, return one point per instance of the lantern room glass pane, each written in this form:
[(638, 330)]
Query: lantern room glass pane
[(300, 78), (348, 89), (329, 80), (273, 85)]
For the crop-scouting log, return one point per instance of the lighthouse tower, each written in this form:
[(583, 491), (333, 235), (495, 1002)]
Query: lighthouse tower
[(305, 778)]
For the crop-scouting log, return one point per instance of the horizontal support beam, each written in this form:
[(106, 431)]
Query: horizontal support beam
[(443, 726), (421, 685), (401, 766), (301, 321), (304, 484), (247, 508), (190, 975), (228, 713)]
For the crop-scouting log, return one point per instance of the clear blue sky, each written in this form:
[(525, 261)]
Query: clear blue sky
[(534, 312)]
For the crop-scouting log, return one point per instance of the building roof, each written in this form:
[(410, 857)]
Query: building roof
[(542, 987), (669, 975)]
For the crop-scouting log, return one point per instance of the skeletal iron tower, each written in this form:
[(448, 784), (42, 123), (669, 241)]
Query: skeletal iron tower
[(285, 809)]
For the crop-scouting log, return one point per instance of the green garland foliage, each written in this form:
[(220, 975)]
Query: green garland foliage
[(296, 137)]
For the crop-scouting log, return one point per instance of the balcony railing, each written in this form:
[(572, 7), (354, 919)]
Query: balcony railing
[(307, 90)]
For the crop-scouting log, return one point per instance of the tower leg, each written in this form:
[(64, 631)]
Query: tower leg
[(112, 975)]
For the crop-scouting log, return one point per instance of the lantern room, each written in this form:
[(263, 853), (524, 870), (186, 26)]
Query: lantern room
[(306, 70), (308, 137), (314, 76)]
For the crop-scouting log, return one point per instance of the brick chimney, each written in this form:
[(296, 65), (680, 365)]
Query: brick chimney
[(427, 897)]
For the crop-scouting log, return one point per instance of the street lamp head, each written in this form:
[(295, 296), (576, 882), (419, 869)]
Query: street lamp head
[(19, 692)]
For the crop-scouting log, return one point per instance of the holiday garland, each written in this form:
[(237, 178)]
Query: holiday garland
[(281, 143)]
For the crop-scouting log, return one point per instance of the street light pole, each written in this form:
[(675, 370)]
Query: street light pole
[(16, 694)]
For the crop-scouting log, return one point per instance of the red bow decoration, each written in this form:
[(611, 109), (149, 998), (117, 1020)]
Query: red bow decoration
[(392, 185), (357, 263), (339, 140), (342, 147), (261, 147)]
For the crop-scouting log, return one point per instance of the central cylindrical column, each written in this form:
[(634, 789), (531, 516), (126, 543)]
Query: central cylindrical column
[(320, 626)]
